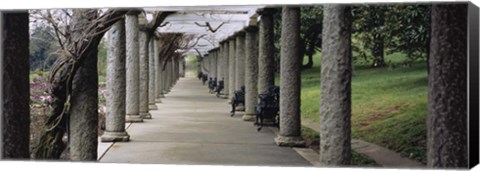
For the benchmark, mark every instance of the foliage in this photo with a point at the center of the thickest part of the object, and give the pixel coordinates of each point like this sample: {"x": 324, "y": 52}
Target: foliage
{"x": 41, "y": 47}
{"x": 409, "y": 30}
{"x": 311, "y": 25}
{"x": 399, "y": 27}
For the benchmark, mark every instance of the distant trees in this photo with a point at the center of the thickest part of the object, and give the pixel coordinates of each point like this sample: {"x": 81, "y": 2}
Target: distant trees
{"x": 391, "y": 28}
{"x": 42, "y": 47}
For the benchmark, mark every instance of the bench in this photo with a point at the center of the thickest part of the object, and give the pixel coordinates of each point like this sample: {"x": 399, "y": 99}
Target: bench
{"x": 204, "y": 78}
{"x": 237, "y": 99}
{"x": 268, "y": 107}
{"x": 219, "y": 87}
{"x": 212, "y": 84}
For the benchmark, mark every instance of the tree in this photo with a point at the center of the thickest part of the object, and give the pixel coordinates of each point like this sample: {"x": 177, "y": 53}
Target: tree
{"x": 76, "y": 47}
{"x": 42, "y": 47}
{"x": 408, "y": 30}
{"x": 310, "y": 33}
{"x": 369, "y": 23}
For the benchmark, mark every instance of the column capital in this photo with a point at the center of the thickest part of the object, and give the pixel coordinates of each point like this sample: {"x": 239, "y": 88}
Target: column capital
{"x": 134, "y": 11}
{"x": 251, "y": 29}
{"x": 239, "y": 34}
{"x": 266, "y": 11}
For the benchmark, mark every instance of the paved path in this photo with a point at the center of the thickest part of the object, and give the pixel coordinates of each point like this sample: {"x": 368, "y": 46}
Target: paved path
{"x": 381, "y": 155}
{"x": 194, "y": 127}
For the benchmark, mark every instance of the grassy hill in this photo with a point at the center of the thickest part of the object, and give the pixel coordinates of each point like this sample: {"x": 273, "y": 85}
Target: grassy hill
{"x": 389, "y": 105}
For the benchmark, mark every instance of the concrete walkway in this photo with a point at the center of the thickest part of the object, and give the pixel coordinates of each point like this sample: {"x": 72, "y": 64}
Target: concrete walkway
{"x": 194, "y": 127}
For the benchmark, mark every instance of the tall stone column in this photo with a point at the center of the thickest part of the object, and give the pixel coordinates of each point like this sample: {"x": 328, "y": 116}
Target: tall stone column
{"x": 15, "y": 92}
{"x": 251, "y": 72}
{"x": 133, "y": 75}
{"x": 335, "y": 100}
{"x": 240, "y": 60}
{"x": 225, "y": 67}
{"x": 158, "y": 72}
{"x": 290, "y": 64}
{"x": 116, "y": 85}
{"x": 152, "y": 94}
{"x": 231, "y": 67}
{"x": 215, "y": 64}
{"x": 266, "y": 60}
{"x": 219, "y": 63}
{"x": 448, "y": 95}
{"x": 143, "y": 84}
{"x": 168, "y": 79}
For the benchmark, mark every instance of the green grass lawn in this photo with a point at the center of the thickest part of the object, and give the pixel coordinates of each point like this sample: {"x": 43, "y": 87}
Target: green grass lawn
{"x": 389, "y": 105}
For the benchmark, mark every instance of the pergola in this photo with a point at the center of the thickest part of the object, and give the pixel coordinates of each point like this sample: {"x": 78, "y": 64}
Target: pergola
{"x": 211, "y": 24}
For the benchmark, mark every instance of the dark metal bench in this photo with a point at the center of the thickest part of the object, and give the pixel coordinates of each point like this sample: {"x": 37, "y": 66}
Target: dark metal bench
{"x": 219, "y": 87}
{"x": 200, "y": 75}
{"x": 268, "y": 107}
{"x": 212, "y": 84}
{"x": 237, "y": 99}
{"x": 204, "y": 78}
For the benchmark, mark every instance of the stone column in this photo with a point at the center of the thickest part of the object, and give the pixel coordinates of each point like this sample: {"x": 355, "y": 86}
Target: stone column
{"x": 168, "y": 79}
{"x": 240, "y": 60}
{"x": 220, "y": 59}
{"x": 290, "y": 64}
{"x": 266, "y": 60}
{"x": 132, "y": 100}
{"x": 143, "y": 84}
{"x": 215, "y": 63}
{"x": 15, "y": 92}
{"x": 152, "y": 94}
{"x": 251, "y": 72}
{"x": 448, "y": 140}
{"x": 231, "y": 68}
{"x": 158, "y": 72}
{"x": 335, "y": 100}
{"x": 225, "y": 68}
{"x": 116, "y": 85}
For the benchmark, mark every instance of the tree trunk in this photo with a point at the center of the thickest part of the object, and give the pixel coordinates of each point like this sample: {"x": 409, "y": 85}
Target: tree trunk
{"x": 84, "y": 100}
{"x": 15, "y": 88}
{"x": 335, "y": 99}
{"x": 447, "y": 141}
{"x": 377, "y": 51}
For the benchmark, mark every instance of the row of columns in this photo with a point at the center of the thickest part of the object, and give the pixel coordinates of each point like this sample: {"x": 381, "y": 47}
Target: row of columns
{"x": 137, "y": 77}
{"x": 246, "y": 59}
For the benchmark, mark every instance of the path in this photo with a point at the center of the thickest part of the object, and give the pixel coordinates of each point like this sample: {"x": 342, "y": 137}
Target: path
{"x": 194, "y": 127}
{"x": 381, "y": 155}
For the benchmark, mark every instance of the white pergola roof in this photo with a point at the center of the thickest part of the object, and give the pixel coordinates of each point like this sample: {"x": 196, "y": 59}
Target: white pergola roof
{"x": 228, "y": 20}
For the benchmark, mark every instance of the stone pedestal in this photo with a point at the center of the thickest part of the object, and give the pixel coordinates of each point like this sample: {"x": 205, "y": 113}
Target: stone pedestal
{"x": 116, "y": 85}
{"x": 290, "y": 132}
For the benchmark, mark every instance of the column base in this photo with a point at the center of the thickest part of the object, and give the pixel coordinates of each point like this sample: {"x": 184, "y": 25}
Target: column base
{"x": 146, "y": 115}
{"x": 133, "y": 118}
{"x": 162, "y": 96}
{"x": 289, "y": 141}
{"x": 115, "y": 136}
{"x": 249, "y": 117}
{"x": 157, "y": 100}
{"x": 152, "y": 107}
{"x": 240, "y": 108}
